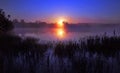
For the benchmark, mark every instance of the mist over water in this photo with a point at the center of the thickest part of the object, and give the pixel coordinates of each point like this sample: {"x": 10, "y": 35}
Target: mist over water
{"x": 72, "y": 33}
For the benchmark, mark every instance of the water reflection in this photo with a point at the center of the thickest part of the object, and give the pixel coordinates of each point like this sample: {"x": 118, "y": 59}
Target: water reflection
{"x": 60, "y": 33}
{"x": 60, "y": 30}
{"x": 65, "y": 33}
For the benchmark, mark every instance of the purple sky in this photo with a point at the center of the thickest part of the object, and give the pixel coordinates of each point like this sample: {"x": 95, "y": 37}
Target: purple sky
{"x": 95, "y": 11}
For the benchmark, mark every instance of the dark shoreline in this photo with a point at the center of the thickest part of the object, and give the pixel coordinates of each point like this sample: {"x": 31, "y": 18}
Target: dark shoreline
{"x": 96, "y": 55}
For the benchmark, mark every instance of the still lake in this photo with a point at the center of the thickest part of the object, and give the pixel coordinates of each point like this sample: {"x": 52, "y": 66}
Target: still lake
{"x": 73, "y": 33}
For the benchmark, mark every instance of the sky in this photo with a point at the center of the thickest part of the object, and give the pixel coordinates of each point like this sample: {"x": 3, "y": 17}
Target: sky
{"x": 76, "y": 11}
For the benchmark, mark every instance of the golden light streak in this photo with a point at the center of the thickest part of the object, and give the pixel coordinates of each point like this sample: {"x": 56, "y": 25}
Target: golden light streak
{"x": 60, "y": 33}
{"x": 60, "y": 28}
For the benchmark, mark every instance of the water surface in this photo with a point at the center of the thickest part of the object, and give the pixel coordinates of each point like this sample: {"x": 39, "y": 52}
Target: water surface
{"x": 73, "y": 33}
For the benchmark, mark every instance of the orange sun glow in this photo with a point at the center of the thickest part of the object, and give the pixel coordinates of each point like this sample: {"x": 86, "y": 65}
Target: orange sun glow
{"x": 60, "y": 33}
{"x": 60, "y": 28}
{"x": 60, "y": 22}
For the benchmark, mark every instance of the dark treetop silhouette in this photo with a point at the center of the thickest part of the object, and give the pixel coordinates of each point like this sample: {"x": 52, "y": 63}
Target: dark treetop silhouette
{"x": 5, "y": 23}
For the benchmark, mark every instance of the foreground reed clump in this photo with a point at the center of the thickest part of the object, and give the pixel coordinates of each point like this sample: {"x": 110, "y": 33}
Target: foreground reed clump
{"x": 26, "y": 55}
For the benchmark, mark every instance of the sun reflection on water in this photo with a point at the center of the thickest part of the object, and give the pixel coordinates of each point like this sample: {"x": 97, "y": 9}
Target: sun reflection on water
{"x": 60, "y": 33}
{"x": 60, "y": 29}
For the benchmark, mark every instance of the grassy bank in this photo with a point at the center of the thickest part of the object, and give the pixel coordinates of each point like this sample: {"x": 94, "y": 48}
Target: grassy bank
{"x": 26, "y": 55}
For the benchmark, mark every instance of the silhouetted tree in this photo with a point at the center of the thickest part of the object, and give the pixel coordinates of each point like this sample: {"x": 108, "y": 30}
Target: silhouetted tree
{"x": 5, "y": 23}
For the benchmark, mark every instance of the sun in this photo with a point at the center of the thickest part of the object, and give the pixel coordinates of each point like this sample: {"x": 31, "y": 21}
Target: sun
{"x": 60, "y": 22}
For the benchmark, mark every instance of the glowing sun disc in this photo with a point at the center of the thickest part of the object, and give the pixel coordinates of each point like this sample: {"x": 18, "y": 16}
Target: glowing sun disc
{"x": 60, "y": 22}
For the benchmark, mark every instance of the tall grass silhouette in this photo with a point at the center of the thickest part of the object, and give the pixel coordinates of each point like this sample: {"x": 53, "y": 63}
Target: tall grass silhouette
{"x": 26, "y": 55}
